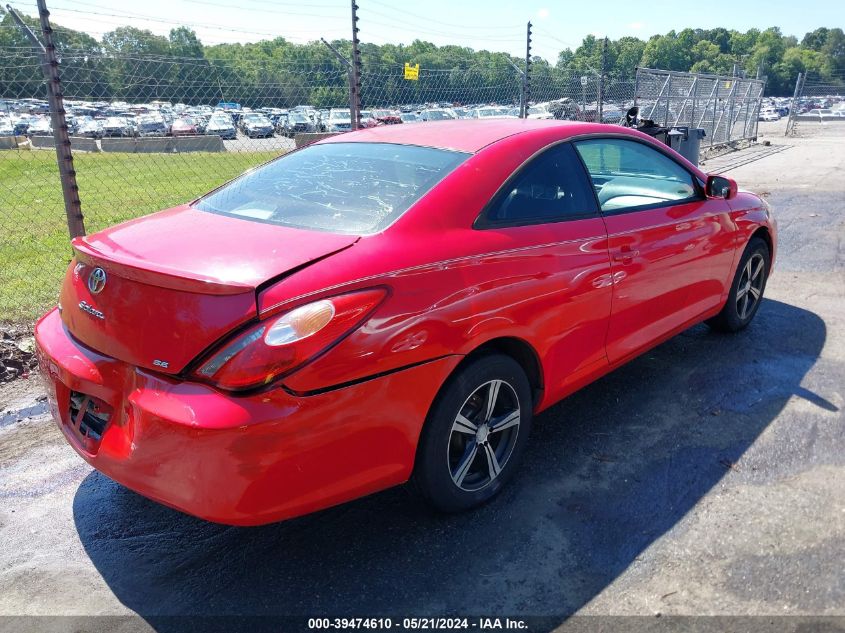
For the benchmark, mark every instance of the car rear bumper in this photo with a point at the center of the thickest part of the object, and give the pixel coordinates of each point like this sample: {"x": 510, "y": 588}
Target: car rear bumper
{"x": 239, "y": 460}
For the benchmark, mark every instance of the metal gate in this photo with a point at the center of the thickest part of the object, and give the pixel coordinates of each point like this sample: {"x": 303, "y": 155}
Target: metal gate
{"x": 725, "y": 107}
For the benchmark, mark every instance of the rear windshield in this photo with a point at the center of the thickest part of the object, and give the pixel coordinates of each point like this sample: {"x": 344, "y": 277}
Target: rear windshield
{"x": 337, "y": 187}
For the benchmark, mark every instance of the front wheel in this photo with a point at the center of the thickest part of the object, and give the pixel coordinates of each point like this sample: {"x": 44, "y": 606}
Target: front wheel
{"x": 747, "y": 289}
{"x": 474, "y": 434}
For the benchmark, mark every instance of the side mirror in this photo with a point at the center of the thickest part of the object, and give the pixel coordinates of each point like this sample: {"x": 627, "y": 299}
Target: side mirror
{"x": 721, "y": 187}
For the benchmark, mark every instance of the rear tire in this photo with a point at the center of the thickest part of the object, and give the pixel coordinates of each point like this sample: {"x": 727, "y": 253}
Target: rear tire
{"x": 474, "y": 434}
{"x": 747, "y": 289}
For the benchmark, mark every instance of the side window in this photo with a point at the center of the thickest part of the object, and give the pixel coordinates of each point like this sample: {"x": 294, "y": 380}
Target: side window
{"x": 627, "y": 174}
{"x": 549, "y": 189}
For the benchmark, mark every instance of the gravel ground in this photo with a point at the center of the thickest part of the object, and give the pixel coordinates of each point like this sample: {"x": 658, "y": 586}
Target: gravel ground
{"x": 704, "y": 478}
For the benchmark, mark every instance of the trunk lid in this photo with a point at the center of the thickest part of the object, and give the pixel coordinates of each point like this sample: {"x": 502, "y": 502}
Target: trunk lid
{"x": 178, "y": 281}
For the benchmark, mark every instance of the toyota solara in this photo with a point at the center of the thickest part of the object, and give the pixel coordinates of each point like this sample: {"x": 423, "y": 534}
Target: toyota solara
{"x": 384, "y": 306}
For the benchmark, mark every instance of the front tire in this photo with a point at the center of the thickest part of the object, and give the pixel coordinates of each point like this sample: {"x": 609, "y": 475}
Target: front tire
{"x": 475, "y": 434}
{"x": 747, "y": 289}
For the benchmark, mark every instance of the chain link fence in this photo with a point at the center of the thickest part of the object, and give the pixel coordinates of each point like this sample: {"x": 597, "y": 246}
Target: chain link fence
{"x": 148, "y": 132}
{"x": 819, "y": 100}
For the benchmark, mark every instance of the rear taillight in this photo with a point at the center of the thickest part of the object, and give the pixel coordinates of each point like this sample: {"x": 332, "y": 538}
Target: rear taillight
{"x": 282, "y": 344}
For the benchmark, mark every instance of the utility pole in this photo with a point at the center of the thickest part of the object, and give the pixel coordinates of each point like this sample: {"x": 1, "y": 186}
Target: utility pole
{"x": 64, "y": 157}
{"x": 355, "y": 95}
{"x": 601, "y": 80}
{"x": 526, "y": 76}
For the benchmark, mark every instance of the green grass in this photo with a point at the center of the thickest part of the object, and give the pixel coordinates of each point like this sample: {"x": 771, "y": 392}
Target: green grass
{"x": 34, "y": 248}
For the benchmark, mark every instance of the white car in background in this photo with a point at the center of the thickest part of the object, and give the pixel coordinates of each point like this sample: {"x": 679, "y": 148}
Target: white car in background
{"x": 540, "y": 111}
{"x": 492, "y": 112}
{"x": 340, "y": 120}
{"x": 769, "y": 115}
{"x": 437, "y": 114}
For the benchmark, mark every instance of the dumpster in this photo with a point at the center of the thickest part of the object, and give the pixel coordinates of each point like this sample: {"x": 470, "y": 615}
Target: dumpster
{"x": 686, "y": 141}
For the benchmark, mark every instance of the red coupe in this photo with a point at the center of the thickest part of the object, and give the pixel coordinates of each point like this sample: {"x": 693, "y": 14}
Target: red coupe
{"x": 387, "y": 305}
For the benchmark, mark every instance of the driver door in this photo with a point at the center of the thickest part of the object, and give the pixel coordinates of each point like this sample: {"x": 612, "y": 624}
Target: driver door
{"x": 671, "y": 248}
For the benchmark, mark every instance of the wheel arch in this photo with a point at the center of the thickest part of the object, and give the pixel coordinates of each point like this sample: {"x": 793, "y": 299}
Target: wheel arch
{"x": 519, "y": 350}
{"x": 763, "y": 233}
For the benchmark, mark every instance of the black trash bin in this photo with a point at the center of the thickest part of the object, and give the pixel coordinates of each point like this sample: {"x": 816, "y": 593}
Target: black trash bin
{"x": 686, "y": 141}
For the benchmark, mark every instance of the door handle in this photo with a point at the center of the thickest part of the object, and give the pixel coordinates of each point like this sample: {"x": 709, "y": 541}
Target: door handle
{"x": 625, "y": 255}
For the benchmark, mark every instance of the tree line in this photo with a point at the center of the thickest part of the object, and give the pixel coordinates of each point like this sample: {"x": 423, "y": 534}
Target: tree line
{"x": 137, "y": 65}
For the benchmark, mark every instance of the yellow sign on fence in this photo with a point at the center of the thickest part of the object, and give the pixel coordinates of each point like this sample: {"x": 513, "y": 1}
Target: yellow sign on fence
{"x": 412, "y": 72}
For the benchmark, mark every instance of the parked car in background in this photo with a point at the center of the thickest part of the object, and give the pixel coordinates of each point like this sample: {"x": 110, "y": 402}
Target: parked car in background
{"x": 540, "y": 111}
{"x": 21, "y": 124}
{"x": 41, "y": 126}
{"x": 152, "y": 126}
{"x": 612, "y": 115}
{"x": 282, "y": 125}
{"x": 820, "y": 112}
{"x": 256, "y": 125}
{"x": 490, "y": 112}
{"x": 324, "y": 119}
{"x": 437, "y": 114}
{"x": 118, "y": 126}
{"x": 316, "y": 119}
{"x": 387, "y": 117}
{"x": 368, "y": 120}
{"x": 92, "y": 128}
{"x": 220, "y": 124}
{"x": 769, "y": 115}
{"x": 201, "y": 122}
{"x": 340, "y": 120}
{"x": 300, "y": 122}
{"x": 387, "y": 305}
{"x": 409, "y": 117}
{"x": 183, "y": 126}
{"x": 6, "y": 127}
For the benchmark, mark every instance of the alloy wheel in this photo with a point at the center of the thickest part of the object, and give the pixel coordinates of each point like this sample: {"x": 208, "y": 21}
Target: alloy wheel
{"x": 750, "y": 288}
{"x": 483, "y": 435}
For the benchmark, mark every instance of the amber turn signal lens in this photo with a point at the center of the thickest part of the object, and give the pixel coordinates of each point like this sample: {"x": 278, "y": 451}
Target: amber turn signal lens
{"x": 300, "y": 323}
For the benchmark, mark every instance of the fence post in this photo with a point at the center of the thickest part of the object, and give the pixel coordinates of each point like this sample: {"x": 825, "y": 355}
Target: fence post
{"x": 526, "y": 76}
{"x": 795, "y": 96}
{"x": 636, "y": 86}
{"x": 601, "y": 80}
{"x": 64, "y": 155}
{"x": 668, "y": 99}
{"x": 355, "y": 93}
{"x": 715, "y": 125}
{"x": 759, "y": 103}
{"x": 732, "y": 98}
{"x": 694, "y": 94}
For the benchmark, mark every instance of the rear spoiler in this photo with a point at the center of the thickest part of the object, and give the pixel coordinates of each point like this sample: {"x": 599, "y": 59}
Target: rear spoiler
{"x": 155, "y": 274}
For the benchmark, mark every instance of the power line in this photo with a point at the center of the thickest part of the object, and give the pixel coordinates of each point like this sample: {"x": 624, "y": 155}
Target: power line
{"x": 124, "y": 15}
{"x": 176, "y": 23}
{"x": 428, "y": 18}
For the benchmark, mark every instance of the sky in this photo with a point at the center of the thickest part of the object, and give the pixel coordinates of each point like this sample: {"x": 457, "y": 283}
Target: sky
{"x": 494, "y": 25}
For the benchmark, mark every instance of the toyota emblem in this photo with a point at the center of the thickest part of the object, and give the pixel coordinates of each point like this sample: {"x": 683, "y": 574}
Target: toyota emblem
{"x": 97, "y": 281}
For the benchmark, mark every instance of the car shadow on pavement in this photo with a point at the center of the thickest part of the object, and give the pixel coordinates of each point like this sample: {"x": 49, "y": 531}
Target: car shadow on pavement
{"x": 608, "y": 471}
